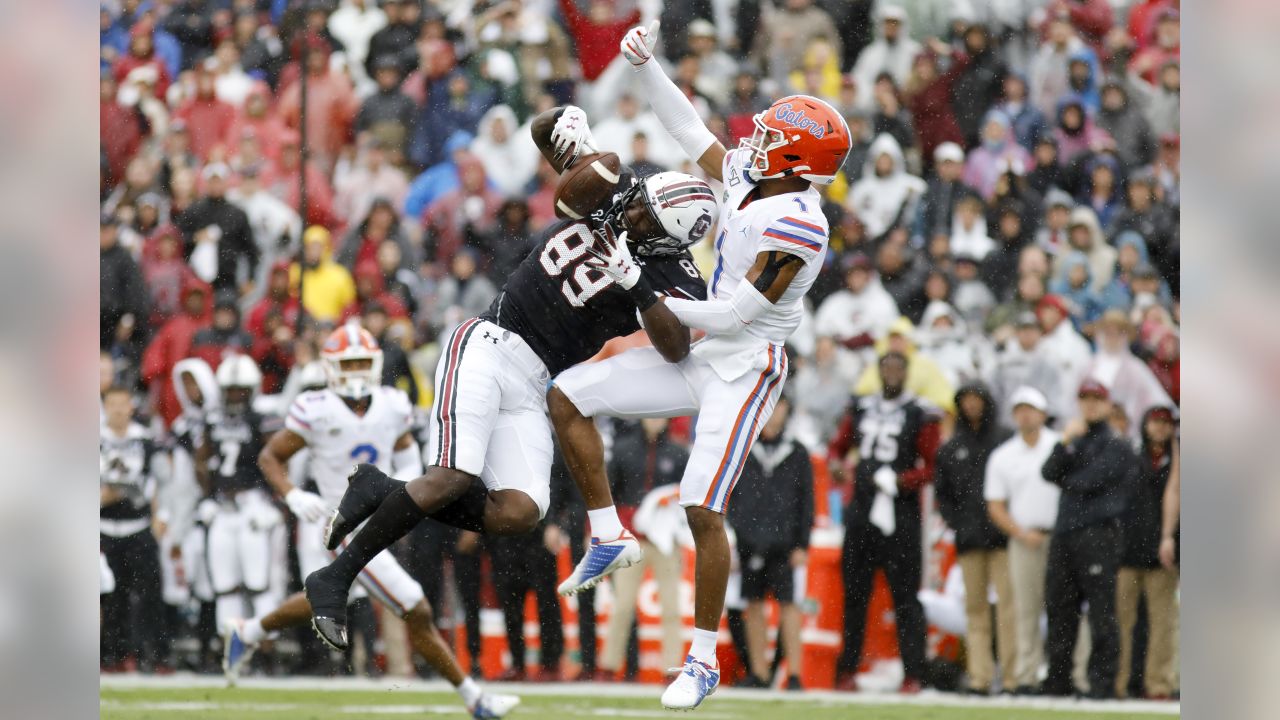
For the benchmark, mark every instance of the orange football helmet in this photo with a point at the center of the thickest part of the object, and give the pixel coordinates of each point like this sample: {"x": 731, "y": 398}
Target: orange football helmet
{"x": 342, "y": 354}
{"x": 798, "y": 135}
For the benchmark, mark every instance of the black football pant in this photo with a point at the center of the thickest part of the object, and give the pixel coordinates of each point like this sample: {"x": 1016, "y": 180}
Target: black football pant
{"x": 1082, "y": 568}
{"x": 900, "y": 555}
{"x": 521, "y": 564}
{"x": 131, "y": 616}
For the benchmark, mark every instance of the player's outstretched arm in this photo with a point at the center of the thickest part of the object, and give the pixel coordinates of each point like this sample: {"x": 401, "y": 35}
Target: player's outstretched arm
{"x": 767, "y": 279}
{"x": 562, "y": 135}
{"x": 670, "y": 105}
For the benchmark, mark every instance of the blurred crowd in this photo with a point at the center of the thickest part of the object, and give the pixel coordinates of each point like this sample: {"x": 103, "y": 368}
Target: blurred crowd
{"x": 1007, "y": 224}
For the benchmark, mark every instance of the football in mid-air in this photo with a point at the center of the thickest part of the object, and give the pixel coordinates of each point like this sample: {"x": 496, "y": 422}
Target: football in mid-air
{"x": 588, "y": 185}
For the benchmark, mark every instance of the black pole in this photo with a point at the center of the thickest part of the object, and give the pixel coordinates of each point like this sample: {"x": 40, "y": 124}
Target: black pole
{"x": 304, "y": 157}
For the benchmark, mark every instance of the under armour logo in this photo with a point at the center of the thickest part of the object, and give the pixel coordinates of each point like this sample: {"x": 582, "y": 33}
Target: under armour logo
{"x": 491, "y": 338}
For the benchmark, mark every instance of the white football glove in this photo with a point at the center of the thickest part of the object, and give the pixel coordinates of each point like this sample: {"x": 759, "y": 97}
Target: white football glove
{"x": 886, "y": 480}
{"x": 612, "y": 257}
{"x": 306, "y": 506}
{"x": 571, "y": 137}
{"x": 637, "y": 44}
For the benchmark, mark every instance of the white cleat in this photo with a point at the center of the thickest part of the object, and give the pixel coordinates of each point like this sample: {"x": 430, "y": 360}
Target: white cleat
{"x": 696, "y": 682}
{"x": 602, "y": 558}
{"x": 236, "y": 653}
{"x": 492, "y": 706}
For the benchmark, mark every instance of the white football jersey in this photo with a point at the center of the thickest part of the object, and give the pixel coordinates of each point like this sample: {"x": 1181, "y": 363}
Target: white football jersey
{"x": 339, "y": 439}
{"x": 791, "y": 223}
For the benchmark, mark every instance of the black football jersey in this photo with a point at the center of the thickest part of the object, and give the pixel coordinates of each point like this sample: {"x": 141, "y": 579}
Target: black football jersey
{"x": 235, "y": 441}
{"x": 566, "y": 310}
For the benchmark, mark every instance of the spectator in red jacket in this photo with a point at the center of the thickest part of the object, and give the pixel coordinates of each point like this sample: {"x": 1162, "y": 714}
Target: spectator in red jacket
{"x": 223, "y": 336}
{"x": 258, "y": 117}
{"x": 142, "y": 51}
{"x": 450, "y": 221}
{"x": 121, "y": 130}
{"x": 596, "y": 33}
{"x": 282, "y": 181}
{"x": 928, "y": 96}
{"x": 331, "y": 104}
{"x": 208, "y": 119}
{"x": 1091, "y": 18}
{"x": 1142, "y": 19}
{"x": 278, "y": 299}
{"x": 371, "y": 290}
{"x": 166, "y": 274}
{"x": 173, "y": 343}
{"x": 273, "y": 350}
{"x": 1165, "y": 46}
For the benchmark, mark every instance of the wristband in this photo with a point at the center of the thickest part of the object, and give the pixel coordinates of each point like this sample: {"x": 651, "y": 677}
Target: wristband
{"x": 642, "y": 294}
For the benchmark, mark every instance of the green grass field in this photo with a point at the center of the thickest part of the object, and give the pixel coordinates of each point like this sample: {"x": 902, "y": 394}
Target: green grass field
{"x": 210, "y": 703}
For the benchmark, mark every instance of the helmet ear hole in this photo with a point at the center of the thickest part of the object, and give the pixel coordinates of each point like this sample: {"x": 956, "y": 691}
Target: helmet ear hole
{"x": 791, "y": 158}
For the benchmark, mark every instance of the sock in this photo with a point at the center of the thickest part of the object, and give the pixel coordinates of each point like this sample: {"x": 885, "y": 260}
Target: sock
{"x": 467, "y": 512}
{"x": 395, "y": 517}
{"x": 253, "y": 632}
{"x": 469, "y": 691}
{"x": 605, "y": 523}
{"x": 704, "y": 646}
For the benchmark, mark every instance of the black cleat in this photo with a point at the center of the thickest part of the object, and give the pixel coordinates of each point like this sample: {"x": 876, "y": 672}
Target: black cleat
{"x": 367, "y": 487}
{"x": 328, "y": 609}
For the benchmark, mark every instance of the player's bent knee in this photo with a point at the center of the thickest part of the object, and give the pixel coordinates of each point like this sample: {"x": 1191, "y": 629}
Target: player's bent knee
{"x": 516, "y": 513}
{"x": 420, "y": 615}
{"x": 703, "y": 519}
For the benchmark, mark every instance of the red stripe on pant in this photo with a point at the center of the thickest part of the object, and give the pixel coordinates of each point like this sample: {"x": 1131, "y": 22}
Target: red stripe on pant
{"x": 448, "y": 387}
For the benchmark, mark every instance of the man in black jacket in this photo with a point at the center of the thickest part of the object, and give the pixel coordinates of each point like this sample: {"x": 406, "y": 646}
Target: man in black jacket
{"x": 980, "y": 546}
{"x": 771, "y": 515}
{"x": 1141, "y": 573}
{"x": 122, "y": 295}
{"x": 1096, "y": 470}
{"x": 213, "y": 224}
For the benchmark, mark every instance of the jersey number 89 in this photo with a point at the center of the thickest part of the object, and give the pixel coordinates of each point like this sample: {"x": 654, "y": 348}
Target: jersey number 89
{"x": 566, "y": 251}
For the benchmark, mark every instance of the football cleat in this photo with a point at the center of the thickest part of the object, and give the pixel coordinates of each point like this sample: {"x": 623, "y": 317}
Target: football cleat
{"x": 367, "y": 487}
{"x": 696, "y": 681}
{"x": 236, "y": 653}
{"x": 328, "y": 608}
{"x": 601, "y": 559}
{"x": 491, "y": 706}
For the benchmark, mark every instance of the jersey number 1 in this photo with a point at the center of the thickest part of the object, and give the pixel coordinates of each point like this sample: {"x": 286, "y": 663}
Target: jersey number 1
{"x": 561, "y": 254}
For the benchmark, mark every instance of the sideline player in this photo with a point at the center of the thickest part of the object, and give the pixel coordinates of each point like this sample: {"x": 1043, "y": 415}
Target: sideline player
{"x": 354, "y": 420}
{"x": 771, "y": 243}
{"x": 245, "y": 543}
{"x": 489, "y": 417}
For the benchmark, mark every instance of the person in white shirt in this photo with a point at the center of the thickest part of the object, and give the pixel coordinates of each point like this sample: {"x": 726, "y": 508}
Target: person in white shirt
{"x": 1025, "y": 506}
{"x": 862, "y": 312}
{"x": 887, "y": 194}
{"x": 893, "y": 52}
{"x": 353, "y": 24}
{"x": 1066, "y": 349}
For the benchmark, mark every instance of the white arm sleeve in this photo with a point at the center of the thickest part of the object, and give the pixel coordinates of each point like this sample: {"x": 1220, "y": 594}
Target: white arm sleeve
{"x": 721, "y": 316}
{"x": 674, "y": 111}
{"x": 406, "y": 464}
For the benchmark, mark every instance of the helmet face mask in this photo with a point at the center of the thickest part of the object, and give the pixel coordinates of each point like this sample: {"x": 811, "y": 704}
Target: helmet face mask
{"x": 239, "y": 379}
{"x": 680, "y": 206}
{"x": 352, "y": 362}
